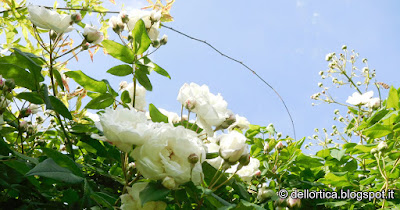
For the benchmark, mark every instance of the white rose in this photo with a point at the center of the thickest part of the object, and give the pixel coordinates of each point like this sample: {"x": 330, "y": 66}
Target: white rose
{"x": 357, "y": 99}
{"x": 140, "y": 96}
{"x": 241, "y": 123}
{"x": 92, "y": 34}
{"x": 167, "y": 154}
{"x": 125, "y": 128}
{"x": 131, "y": 200}
{"x": 247, "y": 172}
{"x": 211, "y": 109}
{"x": 232, "y": 146}
{"x": 48, "y": 19}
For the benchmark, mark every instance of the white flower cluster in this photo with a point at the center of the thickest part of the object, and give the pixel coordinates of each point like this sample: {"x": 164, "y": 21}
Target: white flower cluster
{"x": 61, "y": 23}
{"x": 151, "y": 21}
{"x": 358, "y": 99}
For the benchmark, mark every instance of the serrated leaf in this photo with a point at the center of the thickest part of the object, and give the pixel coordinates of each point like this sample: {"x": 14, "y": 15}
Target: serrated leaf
{"x": 119, "y": 51}
{"x": 48, "y": 168}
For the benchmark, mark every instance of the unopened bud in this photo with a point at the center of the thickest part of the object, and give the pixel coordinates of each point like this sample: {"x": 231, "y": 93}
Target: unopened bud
{"x": 85, "y": 46}
{"x": 257, "y": 173}
{"x": 244, "y": 160}
{"x": 193, "y": 158}
{"x": 279, "y": 146}
{"x": 169, "y": 183}
{"x": 190, "y": 104}
{"x": 382, "y": 146}
{"x": 155, "y": 16}
{"x": 155, "y": 43}
{"x": 344, "y": 47}
{"x": 293, "y": 202}
{"x": 124, "y": 17}
{"x": 23, "y": 125}
{"x": 10, "y": 84}
{"x": 76, "y": 18}
{"x": 164, "y": 39}
{"x": 25, "y": 113}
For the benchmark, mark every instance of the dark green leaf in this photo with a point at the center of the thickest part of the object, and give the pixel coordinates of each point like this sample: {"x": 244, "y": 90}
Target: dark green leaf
{"x": 60, "y": 107}
{"x": 121, "y": 70}
{"x": 156, "y": 115}
{"x": 119, "y": 51}
{"x": 20, "y": 76}
{"x": 153, "y": 192}
{"x": 103, "y": 199}
{"x": 48, "y": 168}
{"x": 141, "y": 75}
{"x": 62, "y": 160}
{"x": 32, "y": 97}
{"x": 57, "y": 75}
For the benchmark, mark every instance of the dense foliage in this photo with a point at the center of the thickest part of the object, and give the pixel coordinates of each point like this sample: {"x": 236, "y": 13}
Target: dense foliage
{"x": 54, "y": 153}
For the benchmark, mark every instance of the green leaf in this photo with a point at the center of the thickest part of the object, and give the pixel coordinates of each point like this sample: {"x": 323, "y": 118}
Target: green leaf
{"x": 32, "y": 65}
{"x": 48, "y": 168}
{"x": 368, "y": 180}
{"x": 141, "y": 75}
{"x": 20, "y": 76}
{"x": 87, "y": 82}
{"x": 121, "y": 70}
{"x": 156, "y": 115}
{"x": 393, "y": 99}
{"x": 153, "y": 192}
{"x": 22, "y": 168}
{"x": 307, "y": 161}
{"x": 58, "y": 77}
{"x": 142, "y": 40}
{"x": 119, "y": 51}
{"x": 156, "y": 67}
{"x": 337, "y": 154}
{"x": 103, "y": 199}
{"x": 212, "y": 155}
{"x": 45, "y": 93}
{"x": 101, "y": 102}
{"x": 377, "y": 131}
{"x": 60, "y": 107}
{"x": 62, "y": 160}
{"x": 32, "y": 97}
{"x": 125, "y": 97}
{"x": 245, "y": 205}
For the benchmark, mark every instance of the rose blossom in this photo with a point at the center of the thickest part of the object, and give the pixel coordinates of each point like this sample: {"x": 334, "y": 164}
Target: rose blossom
{"x": 125, "y": 128}
{"x": 167, "y": 154}
{"x": 92, "y": 34}
{"x": 211, "y": 109}
{"x": 232, "y": 146}
{"x": 48, "y": 19}
{"x": 247, "y": 172}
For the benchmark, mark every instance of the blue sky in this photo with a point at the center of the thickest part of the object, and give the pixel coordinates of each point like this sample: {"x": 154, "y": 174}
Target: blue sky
{"x": 285, "y": 42}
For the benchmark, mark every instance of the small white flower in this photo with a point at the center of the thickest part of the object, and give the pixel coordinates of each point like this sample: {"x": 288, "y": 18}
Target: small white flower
{"x": 48, "y": 19}
{"x": 155, "y": 15}
{"x": 357, "y": 99}
{"x": 92, "y": 34}
{"x": 374, "y": 103}
{"x": 382, "y": 146}
{"x": 116, "y": 24}
{"x": 34, "y": 108}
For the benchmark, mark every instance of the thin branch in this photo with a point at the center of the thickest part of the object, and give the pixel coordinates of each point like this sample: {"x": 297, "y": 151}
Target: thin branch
{"x": 244, "y": 65}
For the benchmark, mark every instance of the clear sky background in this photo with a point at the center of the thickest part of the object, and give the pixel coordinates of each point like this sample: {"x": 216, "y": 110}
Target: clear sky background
{"x": 285, "y": 42}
